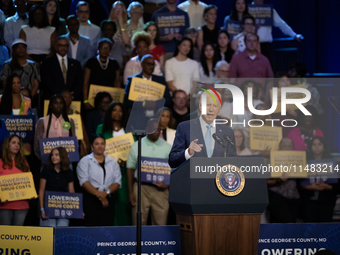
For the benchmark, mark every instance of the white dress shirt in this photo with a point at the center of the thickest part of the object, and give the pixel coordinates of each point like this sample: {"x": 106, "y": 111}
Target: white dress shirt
{"x": 60, "y": 59}
{"x": 195, "y": 12}
{"x": 74, "y": 48}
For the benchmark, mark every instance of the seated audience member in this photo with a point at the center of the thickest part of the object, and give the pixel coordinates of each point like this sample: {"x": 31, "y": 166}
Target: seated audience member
{"x": 208, "y": 61}
{"x": 124, "y": 33}
{"x": 96, "y": 117}
{"x": 180, "y": 111}
{"x": 4, "y": 56}
{"x": 223, "y": 48}
{"x": 222, "y": 69}
{"x": 155, "y": 49}
{"x": 283, "y": 194}
{"x": 240, "y": 143}
{"x": 298, "y": 71}
{"x": 38, "y": 35}
{"x": 154, "y": 195}
{"x": 12, "y": 102}
{"x": 118, "y": 51}
{"x": 101, "y": 70}
{"x": 250, "y": 63}
{"x": 209, "y": 32}
{"x": 56, "y": 176}
{"x": 166, "y": 120}
{"x": 60, "y": 72}
{"x": 248, "y": 26}
{"x": 20, "y": 65}
{"x": 86, "y": 28}
{"x": 319, "y": 197}
{"x": 13, "y": 162}
{"x": 79, "y": 46}
{"x": 173, "y": 31}
{"x": 240, "y": 9}
{"x": 99, "y": 189}
{"x": 306, "y": 130}
{"x": 142, "y": 40}
{"x": 180, "y": 69}
{"x": 191, "y": 33}
{"x": 135, "y": 12}
{"x": 53, "y": 15}
{"x": 148, "y": 66}
{"x": 195, "y": 11}
{"x": 14, "y": 23}
{"x": 114, "y": 124}
{"x": 55, "y": 124}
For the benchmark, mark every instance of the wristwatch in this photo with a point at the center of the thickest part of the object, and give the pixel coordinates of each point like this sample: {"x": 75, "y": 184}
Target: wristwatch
{"x": 108, "y": 192}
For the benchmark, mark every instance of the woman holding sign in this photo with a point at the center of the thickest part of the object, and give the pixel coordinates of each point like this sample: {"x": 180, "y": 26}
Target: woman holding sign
{"x": 99, "y": 176}
{"x": 57, "y": 176}
{"x": 13, "y": 162}
{"x": 114, "y": 123}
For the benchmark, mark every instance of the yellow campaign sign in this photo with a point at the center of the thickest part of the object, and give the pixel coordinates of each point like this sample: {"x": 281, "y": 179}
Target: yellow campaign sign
{"x": 145, "y": 90}
{"x": 75, "y": 106}
{"x": 79, "y": 128}
{"x": 119, "y": 147}
{"x": 26, "y": 240}
{"x": 289, "y": 96}
{"x": 117, "y": 94}
{"x": 263, "y": 137}
{"x": 292, "y": 163}
{"x": 17, "y": 187}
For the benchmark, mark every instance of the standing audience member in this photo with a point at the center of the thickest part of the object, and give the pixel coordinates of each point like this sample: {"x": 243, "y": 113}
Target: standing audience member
{"x": 195, "y": 9}
{"x": 223, "y": 48}
{"x": 14, "y": 23}
{"x": 79, "y": 46}
{"x": 240, "y": 9}
{"x": 180, "y": 69}
{"x": 53, "y": 15}
{"x": 101, "y": 70}
{"x": 154, "y": 195}
{"x": 86, "y": 28}
{"x": 135, "y": 13}
{"x": 56, "y": 176}
{"x": 208, "y": 32}
{"x": 7, "y": 6}
{"x": 208, "y": 61}
{"x": 142, "y": 40}
{"x": 240, "y": 143}
{"x": 192, "y": 33}
{"x": 60, "y": 72}
{"x": 99, "y": 10}
{"x": 166, "y": 120}
{"x": 222, "y": 69}
{"x": 180, "y": 111}
{"x": 170, "y": 35}
{"x": 250, "y": 63}
{"x": 13, "y": 162}
{"x": 99, "y": 176}
{"x": 155, "y": 49}
{"x": 38, "y": 35}
{"x": 23, "y": 67}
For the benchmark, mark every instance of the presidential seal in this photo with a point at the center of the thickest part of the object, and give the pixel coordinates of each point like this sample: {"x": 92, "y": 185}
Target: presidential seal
{"x": 230, "y": 180}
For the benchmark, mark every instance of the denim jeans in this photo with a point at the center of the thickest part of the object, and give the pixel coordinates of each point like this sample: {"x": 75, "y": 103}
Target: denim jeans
{"x": 54, "y": 222}
{"x": 12, "y": 217}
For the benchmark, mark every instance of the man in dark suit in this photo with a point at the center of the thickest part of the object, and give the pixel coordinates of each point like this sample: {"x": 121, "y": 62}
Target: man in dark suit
{"x": 60, "y": 72}
{"x": 148, "y": 66}
{"x": 195, "y": 137}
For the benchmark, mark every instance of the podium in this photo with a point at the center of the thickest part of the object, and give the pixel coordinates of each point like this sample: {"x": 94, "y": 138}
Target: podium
{"x": 210, "y": 221}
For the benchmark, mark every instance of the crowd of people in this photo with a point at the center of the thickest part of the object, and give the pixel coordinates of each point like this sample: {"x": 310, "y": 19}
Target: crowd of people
{"x": 46, "y": 57}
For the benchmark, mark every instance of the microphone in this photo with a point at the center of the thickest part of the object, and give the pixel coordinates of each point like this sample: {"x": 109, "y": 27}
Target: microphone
{"x": 218, "y": 139}
{"x": 227, "y": 138}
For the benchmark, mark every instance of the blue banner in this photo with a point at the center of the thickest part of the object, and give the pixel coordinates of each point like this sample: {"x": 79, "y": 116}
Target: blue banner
{"x": 63, "y": 205}
{"x": 263, "y": 14}
{"x": 117, "y": 240}
{"x": 303, "y": 239}
{"x": 155, "y": 169}
{"x": 20, "y": 125}
{"x": 69, "y": 143}
{"x": 233, "y": 28}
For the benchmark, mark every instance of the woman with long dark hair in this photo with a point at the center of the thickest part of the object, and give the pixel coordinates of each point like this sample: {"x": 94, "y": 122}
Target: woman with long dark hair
{"x": 53, "y": 15}
{"x": 115, "y": 120}
{"x": 56, "y": 176}
{"x": 38, "y": 35}
{"x": 55, "y": 124}
{"x": 208, "y": 32}
{"x": 240, "y": 8}
{"x": 223, "y": 49}
{"x": 155, "y": 49}
{"x": 208, "y": 61}
{"x": 181, "y": 68}
{"x": 13, "y": 162}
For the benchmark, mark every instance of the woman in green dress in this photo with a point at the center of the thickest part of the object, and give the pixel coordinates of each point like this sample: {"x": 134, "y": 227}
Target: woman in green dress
{"x": 115, "y": 119}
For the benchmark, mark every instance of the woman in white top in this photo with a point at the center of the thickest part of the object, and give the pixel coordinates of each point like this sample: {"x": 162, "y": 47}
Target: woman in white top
{"x": 240, "y": 143}
{"x": 38, "y": 35}
{"x": 180, "y": 69}
{"x": 208, "y": 61}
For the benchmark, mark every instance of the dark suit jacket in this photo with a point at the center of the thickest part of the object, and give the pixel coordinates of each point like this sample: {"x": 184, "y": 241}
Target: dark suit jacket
{"x": 52, "y": 79}
{"x": 155, "y": 78}
{"x": 183, "y": 139}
